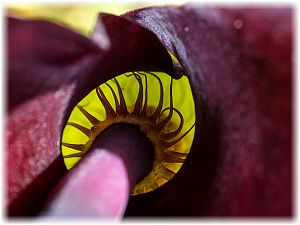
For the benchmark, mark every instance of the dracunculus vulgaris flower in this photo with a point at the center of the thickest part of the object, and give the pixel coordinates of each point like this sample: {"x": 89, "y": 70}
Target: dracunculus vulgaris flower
{"x": 239, "y": 62}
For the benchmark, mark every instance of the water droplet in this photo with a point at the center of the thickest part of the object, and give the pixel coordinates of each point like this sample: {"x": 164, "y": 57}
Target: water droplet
{"x": 186, "y": 29}
{"x": 238, "y": 24}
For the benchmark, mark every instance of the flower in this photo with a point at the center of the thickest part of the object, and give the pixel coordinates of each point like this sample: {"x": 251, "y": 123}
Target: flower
{"x": 45, "y": 64}
{"x": 239, "y": 61}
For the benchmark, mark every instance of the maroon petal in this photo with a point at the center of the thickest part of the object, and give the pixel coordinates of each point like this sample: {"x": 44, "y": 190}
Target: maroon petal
{"x": 49, "y": 69}
{"x": 44, "y": 61}
{"x": 240, "y": 66}
{"x": 132, "y": 47}
{"x": 42, "y": 57}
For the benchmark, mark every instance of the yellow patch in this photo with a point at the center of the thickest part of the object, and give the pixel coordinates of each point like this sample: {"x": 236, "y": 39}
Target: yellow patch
{"x": 170, "y": 152}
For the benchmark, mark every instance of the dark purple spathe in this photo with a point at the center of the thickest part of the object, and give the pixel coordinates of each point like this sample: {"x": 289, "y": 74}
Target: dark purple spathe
{"x": 239, "y": 62}
{"x": 50, "y": 68}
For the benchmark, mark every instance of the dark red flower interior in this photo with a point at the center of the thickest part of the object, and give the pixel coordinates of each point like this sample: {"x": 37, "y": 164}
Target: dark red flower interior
{"x": 239, "y": 62}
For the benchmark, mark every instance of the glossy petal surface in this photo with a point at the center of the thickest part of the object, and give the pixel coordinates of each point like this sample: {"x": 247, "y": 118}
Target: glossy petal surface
{"x": 240, "y": 66}
{"x": 48, "y": 68}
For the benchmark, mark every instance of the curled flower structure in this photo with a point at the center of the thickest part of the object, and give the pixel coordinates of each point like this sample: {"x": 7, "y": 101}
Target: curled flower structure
{"x": 127, "y": 98}
{"x": 62, "y": 78}
{"x": 239, "y": 63}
